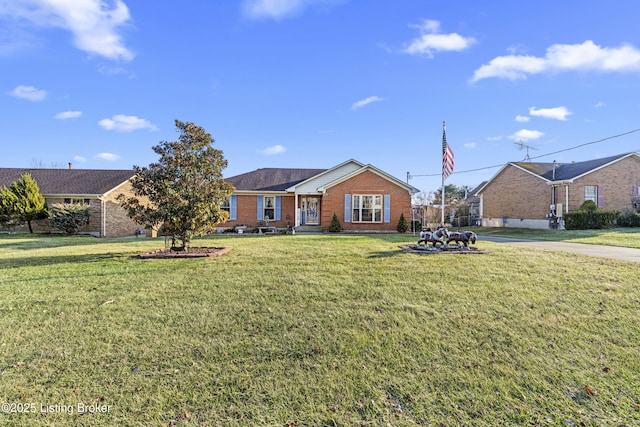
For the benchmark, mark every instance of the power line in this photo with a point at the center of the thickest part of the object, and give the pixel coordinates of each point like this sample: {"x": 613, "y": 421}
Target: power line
{"x": 537, "y": 157}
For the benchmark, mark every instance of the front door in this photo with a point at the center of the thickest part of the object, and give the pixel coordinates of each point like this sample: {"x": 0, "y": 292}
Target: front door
{"x": 311, "y": 210}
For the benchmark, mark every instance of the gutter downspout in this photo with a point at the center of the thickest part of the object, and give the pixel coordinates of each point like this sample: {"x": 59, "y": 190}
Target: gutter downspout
{"x": 103, "y": 215}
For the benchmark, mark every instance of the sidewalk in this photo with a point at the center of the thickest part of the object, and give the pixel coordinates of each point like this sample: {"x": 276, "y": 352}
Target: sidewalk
{"x": 614, "y": 252}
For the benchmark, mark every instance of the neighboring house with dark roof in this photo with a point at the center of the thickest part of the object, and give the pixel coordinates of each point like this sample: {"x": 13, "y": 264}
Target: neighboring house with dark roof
{"x": 362, "y": 196}
{"x": 97, "y": 189}
{"x": 536, "y": 195}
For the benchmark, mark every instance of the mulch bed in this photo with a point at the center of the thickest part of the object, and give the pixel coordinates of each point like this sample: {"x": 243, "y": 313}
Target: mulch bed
{"x": 197, "y": 252}
{"x": 472, "y": 250}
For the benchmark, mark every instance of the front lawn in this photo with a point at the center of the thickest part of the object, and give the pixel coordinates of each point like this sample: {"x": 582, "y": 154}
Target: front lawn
{"x": 343, "y": 330}
{"x": 626, "y": 237}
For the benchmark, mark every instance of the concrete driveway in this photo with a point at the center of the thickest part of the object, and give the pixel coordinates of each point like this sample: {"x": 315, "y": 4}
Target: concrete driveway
{"x": 614, "y": 252}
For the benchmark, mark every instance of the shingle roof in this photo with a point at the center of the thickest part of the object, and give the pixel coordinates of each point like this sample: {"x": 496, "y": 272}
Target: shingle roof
{"x": 69, "y": 181}
{"x": 566, "y": 171}
{"x": 272, "y": 179}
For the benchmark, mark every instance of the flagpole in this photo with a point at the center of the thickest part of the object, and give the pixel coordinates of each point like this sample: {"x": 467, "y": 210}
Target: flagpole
{"x": 442, "y": 222}
{"x": 444, "y": 131}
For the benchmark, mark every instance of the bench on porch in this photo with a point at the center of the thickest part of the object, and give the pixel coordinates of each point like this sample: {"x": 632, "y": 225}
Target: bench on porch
{"x": 264, "y": 228}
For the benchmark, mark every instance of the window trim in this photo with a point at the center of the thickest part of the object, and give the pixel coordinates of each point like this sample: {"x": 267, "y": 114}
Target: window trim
{"x": 377, "y": 210}
{"x": 71, "y": 200}
{"x": 594, "y": 193}
{"x": 266, "y": 217}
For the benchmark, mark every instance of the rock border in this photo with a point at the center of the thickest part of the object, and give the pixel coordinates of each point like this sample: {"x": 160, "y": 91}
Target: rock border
{"x": 199, "y": 252}
{"x": 471, "y": 251}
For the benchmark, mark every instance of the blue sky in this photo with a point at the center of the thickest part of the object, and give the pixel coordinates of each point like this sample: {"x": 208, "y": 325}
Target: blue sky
{"x": 312, "y": 83}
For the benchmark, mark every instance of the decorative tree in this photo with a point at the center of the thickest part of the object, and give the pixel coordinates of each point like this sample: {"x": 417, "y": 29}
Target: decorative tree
{"x": 335, "y": 226}
{"x": 184, "y": 190}
{"x": 22, "y": 202}
{"x": 403, "y": 225}
{"x": 69, "y": 217}
{"x": 7, "y": 200}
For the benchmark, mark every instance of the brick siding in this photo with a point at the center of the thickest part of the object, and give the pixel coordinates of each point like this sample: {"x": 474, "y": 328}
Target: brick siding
{"x": 366, "y": 182}
{"x": 516, "y": 194}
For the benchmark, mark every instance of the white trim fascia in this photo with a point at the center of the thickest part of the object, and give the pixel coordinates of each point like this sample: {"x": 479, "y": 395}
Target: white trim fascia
{"x": 605, "y": 165}
{"x": 382, "y": 174}
{"x": 261, "y": 193}
{"x": 118, "y": 186}
{"x": 502, "y": 169}
{"x": 71, "y": 196}
{"x": 529, "y": 172}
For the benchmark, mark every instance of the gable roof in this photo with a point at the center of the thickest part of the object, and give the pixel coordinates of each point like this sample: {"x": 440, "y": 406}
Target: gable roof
{"x": 69, "y": 181}
{"x": 271, "y": 179}
{"x": 375, "y": 170}
{"x": 568, "y": 171}
{"x": 563, "y": 172}
{"x": 282, "y": 179}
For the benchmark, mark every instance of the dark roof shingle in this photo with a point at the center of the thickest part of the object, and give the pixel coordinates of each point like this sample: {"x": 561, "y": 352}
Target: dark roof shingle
{"x": 69, "y": 181}
{"x": 272, "y": 179}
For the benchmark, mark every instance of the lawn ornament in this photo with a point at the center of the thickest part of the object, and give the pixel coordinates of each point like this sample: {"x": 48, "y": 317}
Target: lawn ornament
{"x": 462, "y": 236}
{"x": 434, "y": 237}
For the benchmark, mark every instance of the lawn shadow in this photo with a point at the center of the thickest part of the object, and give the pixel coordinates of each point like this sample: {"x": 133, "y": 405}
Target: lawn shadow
{"x": 40, "y": 261}
{"x": 385, "y": 254}
{"x": 25, "y": 242}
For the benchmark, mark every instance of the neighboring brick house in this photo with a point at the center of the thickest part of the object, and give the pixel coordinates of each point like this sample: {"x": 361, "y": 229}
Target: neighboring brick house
{"x": 96, "y": 188}
{"x": 363, "y": 197}
{"x": 535, "y": 195}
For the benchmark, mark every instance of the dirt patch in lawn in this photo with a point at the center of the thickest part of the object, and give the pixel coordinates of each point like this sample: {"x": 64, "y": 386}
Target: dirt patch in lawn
{"x": 194, "y": 252}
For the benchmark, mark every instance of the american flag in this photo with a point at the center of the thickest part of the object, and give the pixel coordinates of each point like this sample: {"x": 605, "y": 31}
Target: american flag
{"x": 447, "y": 154}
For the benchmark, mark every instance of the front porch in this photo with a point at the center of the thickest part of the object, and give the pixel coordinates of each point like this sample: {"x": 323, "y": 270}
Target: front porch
{"x": 308, "y": 210}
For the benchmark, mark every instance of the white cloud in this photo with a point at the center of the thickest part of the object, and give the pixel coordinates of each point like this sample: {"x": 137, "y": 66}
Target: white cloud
{"x": 599, "y": 104}
{"x": 557, "y": 113}
{"x": 470, "y": 145}
{"x": 65, "y": 115}
{"x": 524, "y": 135}
{"x": 494, "y": 138}
{"x": 79, "y": 159}
{"x": 359, "y": 104}
{"x": 522, "y": 119}
{"x": 270, "y": 151}
{"x": 277, "y": 9}
{"x": 122, "y": 123}
{"x": 110, "y": 157}
{"x": 29, "y": 93}
{"x": 93, "y": 23}
{"x": 587, "y": 56}
{"x": 431, "y": 40}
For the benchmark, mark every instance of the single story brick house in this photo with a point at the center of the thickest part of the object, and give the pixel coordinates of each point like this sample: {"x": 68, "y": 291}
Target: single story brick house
{"x": 93, "y": 187}
{"x": 536, "y": 195}
{"x": 364, "y": 198}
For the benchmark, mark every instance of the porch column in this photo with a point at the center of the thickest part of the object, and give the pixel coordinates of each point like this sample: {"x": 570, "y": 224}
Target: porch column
{"x": 297, "y": 211}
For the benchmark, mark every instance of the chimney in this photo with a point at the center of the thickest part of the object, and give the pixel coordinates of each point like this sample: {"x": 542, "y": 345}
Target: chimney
{"x": 70, "y": 165}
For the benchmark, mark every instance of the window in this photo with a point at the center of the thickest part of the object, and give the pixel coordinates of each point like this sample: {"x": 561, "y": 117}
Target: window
{"x": 77, "y": 201}
{"x": 269, "y": 207}
{"x": 226, "y": 206}
{"x": 366, "y": 208}
{"x": 591, "y": 193}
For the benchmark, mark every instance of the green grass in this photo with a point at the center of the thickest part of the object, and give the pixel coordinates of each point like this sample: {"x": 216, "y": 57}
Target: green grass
{"x": 626, "y": 237}
{"x": 316, "y": 330}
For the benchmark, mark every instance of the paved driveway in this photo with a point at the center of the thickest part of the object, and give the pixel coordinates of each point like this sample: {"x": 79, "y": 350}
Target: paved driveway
{"x": 615, "y": 252}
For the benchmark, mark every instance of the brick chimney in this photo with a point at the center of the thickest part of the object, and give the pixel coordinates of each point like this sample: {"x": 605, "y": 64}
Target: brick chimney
{"x": 70, "y": 165}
